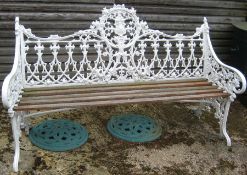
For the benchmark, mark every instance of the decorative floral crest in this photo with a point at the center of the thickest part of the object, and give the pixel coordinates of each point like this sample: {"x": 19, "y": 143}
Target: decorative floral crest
{"x": 119, "y": 25}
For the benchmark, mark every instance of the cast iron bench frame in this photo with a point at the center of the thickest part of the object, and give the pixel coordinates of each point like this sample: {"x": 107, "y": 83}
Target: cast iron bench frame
{"x": 127, "y": 76}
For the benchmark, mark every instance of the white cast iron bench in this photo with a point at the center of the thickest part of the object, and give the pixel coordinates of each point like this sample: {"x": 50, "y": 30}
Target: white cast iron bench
{"x": 118, "y": 60}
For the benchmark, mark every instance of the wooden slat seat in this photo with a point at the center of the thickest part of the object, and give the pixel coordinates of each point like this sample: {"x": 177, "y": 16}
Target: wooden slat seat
{"x": 109, "y": 94}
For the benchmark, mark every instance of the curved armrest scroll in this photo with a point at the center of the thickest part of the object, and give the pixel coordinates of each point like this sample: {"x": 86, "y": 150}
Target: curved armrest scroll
{"x": 13, "y": 83}
{"x": 226, "y": 77}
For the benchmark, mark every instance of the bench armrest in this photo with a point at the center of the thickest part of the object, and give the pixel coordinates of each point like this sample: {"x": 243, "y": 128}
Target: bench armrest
{"x": 13, "y": 83}
{"x": 226, "y": 77}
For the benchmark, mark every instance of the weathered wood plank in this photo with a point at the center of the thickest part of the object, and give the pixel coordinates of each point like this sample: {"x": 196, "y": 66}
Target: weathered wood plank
{"x": 96, "y": 8}
{"x": 81, "y": 95}
{"x": 114, "y": 102}
{"x": 187, "y": 3}
{"x": 2, "y": 76}
{"x": 188, "y": 11}
{"x": 49, "y": 16}
{"x": 65, "y": 1}
{"x": 1, "y": 83}
{"x": 113, "y": 88}
{"x": 51, "y": 7}
{"x": 5, "y": 68}
{"x": 39, "y": 16}
{"x": 103, "y": 96}
{"x": 7, "y": 42}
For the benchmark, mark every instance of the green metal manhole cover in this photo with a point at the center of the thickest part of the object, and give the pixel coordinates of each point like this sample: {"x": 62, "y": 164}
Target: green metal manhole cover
{"x": 58, "y": 135}
{"x": 134, "y": 128}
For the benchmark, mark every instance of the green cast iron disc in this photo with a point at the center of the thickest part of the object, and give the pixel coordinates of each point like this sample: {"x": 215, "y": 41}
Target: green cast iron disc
{"x": 134, "y": 128}
{"x": 58, "y": 135}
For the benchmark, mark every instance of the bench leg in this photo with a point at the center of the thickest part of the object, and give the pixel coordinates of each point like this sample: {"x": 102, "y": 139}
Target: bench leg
{"x": 25, "y": 122}
{"x": 16, "y": 130}
{"x": 222, "y": 110}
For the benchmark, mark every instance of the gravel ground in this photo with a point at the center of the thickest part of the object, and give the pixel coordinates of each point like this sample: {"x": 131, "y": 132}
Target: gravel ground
{"x": 188, "y": 145}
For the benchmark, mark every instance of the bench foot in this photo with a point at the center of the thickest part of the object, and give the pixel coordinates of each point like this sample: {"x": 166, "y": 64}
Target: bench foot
{"x": 16, "y": 121}
{"x": 222, "y": 110}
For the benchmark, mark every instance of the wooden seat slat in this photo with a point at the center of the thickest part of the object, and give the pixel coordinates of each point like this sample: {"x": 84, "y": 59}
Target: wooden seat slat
{"x": 103, "y": 96}
{"x": 83, "y": 94}
{"x": 117, "y": 88}
{"x": 122, "y": 101}
{"x": 114, "y": 84}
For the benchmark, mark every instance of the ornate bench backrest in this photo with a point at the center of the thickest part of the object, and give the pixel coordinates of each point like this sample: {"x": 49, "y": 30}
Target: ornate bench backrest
{"x": 117, "y": 48}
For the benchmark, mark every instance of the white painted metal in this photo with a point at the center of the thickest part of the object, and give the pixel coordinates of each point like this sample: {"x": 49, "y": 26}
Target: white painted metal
{"x": 126, "y": 50}
{"x": 16, "y": 130}
{"x": 222, "y": 75}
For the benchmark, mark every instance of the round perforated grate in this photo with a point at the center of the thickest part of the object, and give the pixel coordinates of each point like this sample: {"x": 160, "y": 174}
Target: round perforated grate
{"x": 58, "y": 135}
{"x": 134, "y": 128}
